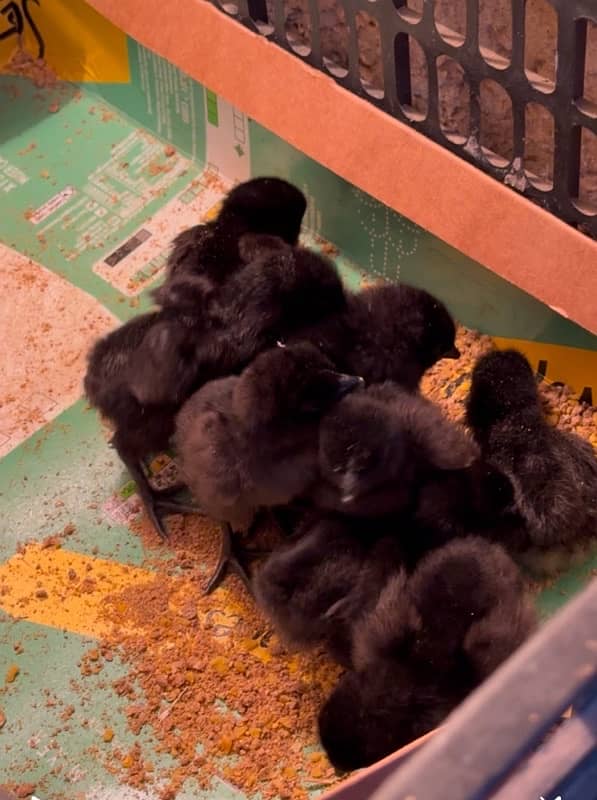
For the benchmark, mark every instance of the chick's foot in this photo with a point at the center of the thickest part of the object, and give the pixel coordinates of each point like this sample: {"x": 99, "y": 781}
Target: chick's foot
{"x": 229, "y": 560}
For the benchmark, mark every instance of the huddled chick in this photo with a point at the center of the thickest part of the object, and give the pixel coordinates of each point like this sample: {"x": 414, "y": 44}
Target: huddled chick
{"x": 278, "y": 289}
{"x": 389, "y": 332}
{"x": 429, "y": 641}
{"x": 453, "y": 503}
{"x": 281, "y": 289}
{"x": 139, "y": 375}
{"x": 251, "y": 441}
{"x": 377, "y": 447}
{"x": 261, "y": 206}
{"x": 133, "y": 381}
{"x": 553, "y": 473}
{"x": 330, "y": 571}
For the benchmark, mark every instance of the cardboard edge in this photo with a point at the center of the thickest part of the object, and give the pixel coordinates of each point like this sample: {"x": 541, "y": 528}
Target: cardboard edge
{"x": 450, "y": 198}
{"x": 365, "y": 782}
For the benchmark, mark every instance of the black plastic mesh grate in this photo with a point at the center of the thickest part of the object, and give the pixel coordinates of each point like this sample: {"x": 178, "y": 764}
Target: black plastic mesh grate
{"x": 413, "y": 30}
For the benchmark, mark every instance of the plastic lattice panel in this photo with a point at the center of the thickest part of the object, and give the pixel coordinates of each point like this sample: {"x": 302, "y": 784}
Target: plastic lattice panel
{"x": 408, "y": 31}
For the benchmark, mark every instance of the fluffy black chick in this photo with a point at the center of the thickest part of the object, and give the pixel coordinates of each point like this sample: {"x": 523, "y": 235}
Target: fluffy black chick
{"x": 261, "y": 205}
{"x": 376, "y": 447}
{"x": 430, "y": 640}
{"x": 282, "y": 290}
{"x": 199, "y": 327}
{"x": 251, "y": 441}
{"x": 315, "y": 586}
{"x": 162, "y": 367}
{"x": 137, "y": 377}
{"x": 553, "y": 472}
{"x": 390, "y": 332}
{"x": 478, "y": 499}
{"x": 159, "y": 356}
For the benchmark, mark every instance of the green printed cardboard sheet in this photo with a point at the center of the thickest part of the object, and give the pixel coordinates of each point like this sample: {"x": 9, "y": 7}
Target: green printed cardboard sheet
{"x": 99, "y": 169}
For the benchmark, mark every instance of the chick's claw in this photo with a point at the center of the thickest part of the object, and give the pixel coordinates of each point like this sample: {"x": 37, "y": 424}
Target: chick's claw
{"x": 156, "y": 509}
{"x": 166, "y": 492}
{"x": 151, "y": 508}
{"x": 166, "y": 506}
{"x": 228, "y": 561}
{"x": 146, "y": 494}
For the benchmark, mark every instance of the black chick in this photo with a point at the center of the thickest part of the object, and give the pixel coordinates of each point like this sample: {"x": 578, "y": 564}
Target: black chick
{"x": 139, "y": 375}
{"x": 162, "y": 367}
{"x": 261, "y": 206}
{"x": 199, "y": 327}
{"x": 391, "y": 332}
{"x": 317, "y": 584}
{"x": 251, "y": 441}
{"x": 376, "y": 448}
{"x": 431, "y": 639}
{"x": 553, "y": 472}
{"x": 121, "y": 383}
{"x": 279, "y": 292}
{"x": 280, "y": 289}
{"x": 453, "y": 503}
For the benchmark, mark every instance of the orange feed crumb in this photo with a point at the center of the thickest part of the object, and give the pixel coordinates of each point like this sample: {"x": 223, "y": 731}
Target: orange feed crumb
{"x": 11, "y": 673}
{"x": 225, "y": 745}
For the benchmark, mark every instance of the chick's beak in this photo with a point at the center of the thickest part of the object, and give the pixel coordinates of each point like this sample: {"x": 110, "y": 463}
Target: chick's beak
{"x": 453, "y": 352}
{"x": 347, "y": 383}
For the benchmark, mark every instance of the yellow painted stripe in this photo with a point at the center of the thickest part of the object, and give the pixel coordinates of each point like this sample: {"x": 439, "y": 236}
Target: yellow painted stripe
{"x": 570, "y": 365}
{"x": 68, "y": 590}
{"x": 63, "y": 589}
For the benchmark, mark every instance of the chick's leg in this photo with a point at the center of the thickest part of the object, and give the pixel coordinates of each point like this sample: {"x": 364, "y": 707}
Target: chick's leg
{"x": 168, "y": 502}
{"x": 146, "y": 493}
{"x": 168, "y": 492}
{"x": 228, "y": 561}
{"x": 156, "y": 502}
{"x": 176, "y": 507}
{"x": 167, "y": 497}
